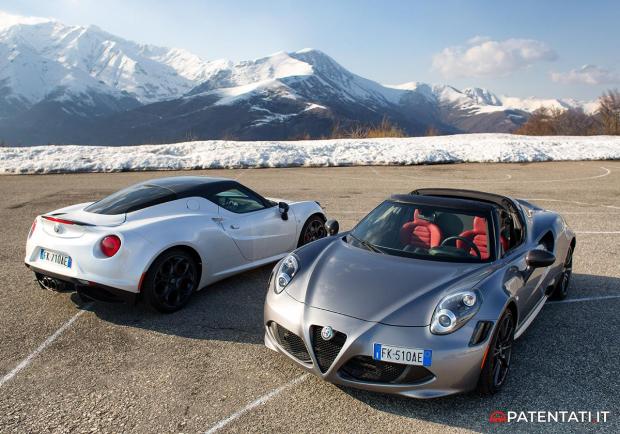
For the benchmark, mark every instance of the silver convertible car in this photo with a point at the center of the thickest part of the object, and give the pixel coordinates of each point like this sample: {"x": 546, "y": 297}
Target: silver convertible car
{"x": 424, "y": 296}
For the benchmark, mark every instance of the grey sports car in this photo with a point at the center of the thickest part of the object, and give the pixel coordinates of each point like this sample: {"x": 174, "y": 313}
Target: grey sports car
{"x": 424, "y": 296}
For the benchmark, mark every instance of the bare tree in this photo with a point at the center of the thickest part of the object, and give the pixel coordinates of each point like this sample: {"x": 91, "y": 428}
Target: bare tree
{"x": 573, "y": 122}
{"x": 609, "y": 113}
{"x": 540, "y": 123}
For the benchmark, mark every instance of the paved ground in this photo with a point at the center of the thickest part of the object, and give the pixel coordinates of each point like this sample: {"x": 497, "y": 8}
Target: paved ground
{"x": 119, "y": 368}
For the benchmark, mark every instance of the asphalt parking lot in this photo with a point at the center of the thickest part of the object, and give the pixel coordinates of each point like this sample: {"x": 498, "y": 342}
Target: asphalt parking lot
{"x": 69, "y": 367}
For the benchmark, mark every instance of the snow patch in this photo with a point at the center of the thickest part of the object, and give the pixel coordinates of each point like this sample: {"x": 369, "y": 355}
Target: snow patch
{"x": 214, "y": 154}
{"x": 9, "y": 20}
{"x": 313, "y": 106}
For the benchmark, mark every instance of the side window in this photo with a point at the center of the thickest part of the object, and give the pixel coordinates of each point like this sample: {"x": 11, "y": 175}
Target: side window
{"x": 237, "y": 200}
{"x": 511, "y": 232}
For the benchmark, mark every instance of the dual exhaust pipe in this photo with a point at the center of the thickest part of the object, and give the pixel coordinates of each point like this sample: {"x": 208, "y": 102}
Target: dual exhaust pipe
{"x": 51, "y": 284}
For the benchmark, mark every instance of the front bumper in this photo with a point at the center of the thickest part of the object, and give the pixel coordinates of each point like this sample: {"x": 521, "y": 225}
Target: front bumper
{"x": 455, "y": 364}
{"x": 96, "y": 291}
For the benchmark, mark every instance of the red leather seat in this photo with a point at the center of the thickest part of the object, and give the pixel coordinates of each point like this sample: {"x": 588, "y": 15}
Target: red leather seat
{"x": 420, "y": 233}
{"x": 478, "y": 235}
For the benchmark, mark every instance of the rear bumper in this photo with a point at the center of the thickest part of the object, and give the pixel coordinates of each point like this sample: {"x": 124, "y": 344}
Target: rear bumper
{"x": 94, "y": 290}
{"x": 122, "y": 271}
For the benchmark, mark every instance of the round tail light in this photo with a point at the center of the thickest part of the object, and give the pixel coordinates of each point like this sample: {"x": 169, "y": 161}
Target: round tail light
{"x": 110, "y": 245}
{"x": 32, "y": 228}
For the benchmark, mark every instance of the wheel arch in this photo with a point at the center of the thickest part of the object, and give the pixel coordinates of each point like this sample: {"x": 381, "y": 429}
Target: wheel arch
{"x": 185, "y": 247}
{"x": 301, "y": 229}
{"x": 512, "y": 307}
{"x": 548, "y": 240}
{"x": 320, "y": 214}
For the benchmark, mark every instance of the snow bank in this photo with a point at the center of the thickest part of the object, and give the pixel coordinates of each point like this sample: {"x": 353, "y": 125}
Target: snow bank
{"x": 213, "y": 154}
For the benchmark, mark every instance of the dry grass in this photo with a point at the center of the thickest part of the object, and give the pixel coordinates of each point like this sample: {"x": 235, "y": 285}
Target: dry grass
{"x": 432, "y": 131}
{"x": 384, "y": 129}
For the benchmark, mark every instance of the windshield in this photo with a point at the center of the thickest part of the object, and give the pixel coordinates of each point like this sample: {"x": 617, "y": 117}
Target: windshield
{"x": 425, "y": 232}
{"x": 131, "y": 199}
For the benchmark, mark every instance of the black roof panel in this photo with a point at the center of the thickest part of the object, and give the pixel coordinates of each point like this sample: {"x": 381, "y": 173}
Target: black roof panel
{"x": 472, "y": 195}
{"x": 181, "y": 184}
{"x": 447, "y": 202}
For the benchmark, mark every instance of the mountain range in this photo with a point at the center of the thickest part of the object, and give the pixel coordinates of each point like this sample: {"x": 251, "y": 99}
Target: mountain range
{"x": 81, "y": 85}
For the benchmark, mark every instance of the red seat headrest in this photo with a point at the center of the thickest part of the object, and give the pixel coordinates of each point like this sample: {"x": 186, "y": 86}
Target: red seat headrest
{"x": 420, "y": 232}
{"x": 419, "y": 219}
{"x": 480, "y": 225}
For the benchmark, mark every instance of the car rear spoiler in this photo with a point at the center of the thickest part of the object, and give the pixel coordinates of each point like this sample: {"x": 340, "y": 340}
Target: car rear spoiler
{"x": 65, "y": 221}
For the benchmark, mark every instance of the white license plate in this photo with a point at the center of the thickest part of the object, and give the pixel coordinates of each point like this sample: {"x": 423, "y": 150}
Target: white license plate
{"x": 55, "y": 257}
{"x": 405, "y": 356}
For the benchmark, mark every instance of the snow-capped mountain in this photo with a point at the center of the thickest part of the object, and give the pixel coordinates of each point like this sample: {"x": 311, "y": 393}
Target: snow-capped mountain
{"x": 74, "y": 84}
{"x": 38, "y": 56}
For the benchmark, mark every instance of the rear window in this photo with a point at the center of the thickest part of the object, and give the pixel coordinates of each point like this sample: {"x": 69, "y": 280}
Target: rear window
{"x": 131, "y": 199}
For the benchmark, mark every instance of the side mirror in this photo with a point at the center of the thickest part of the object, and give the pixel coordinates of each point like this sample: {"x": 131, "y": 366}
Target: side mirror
{"x": 332, "y": 227}
{"x": 539, "y": 258}
{"x": 283, "y": 208}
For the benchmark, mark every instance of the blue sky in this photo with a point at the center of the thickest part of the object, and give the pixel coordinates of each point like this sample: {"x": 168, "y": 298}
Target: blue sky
{"x": 525, "y": 48}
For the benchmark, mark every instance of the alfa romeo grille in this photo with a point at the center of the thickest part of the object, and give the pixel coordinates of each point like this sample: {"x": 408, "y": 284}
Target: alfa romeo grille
{"x": 326, "y": 351}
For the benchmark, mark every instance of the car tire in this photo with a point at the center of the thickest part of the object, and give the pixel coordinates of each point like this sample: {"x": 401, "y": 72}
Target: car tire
{"x": 313, "y": 229}
{"x": 561, "y": 288}
{"x": 170, "y": 281}
{"x": 496, "y": 363}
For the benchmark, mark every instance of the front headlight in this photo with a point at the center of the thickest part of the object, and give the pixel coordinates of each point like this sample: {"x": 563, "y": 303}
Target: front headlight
{"x": 454, "y": 311}
{"x": 286, "y": 271}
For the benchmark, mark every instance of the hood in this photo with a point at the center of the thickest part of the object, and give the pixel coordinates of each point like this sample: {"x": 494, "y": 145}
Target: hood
{"x": 76, "y": 213}
{"x": 378, "y": 287}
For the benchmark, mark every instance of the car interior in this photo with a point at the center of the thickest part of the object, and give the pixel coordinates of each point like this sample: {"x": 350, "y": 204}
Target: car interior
{"x": 431, "y": 229}
{"x": 237, "y": 201}
{"x": 441, "y": 232}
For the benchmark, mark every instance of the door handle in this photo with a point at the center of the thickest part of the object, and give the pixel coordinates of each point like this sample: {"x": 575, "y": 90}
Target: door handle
{"x": 234, "y": 226}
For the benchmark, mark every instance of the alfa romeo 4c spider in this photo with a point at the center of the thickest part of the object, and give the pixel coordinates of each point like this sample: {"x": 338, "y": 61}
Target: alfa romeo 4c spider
{"x": 166, "y": 238}
{"x": 424, "y": 297}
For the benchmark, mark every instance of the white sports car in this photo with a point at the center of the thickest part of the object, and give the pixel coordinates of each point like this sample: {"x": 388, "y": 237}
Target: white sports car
{"x": 163, "y": 239}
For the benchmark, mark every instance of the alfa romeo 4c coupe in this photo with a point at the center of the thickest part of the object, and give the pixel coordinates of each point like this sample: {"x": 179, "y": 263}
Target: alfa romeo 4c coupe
{"x": 166, "y": 238}
{"x": 424, "y": 296}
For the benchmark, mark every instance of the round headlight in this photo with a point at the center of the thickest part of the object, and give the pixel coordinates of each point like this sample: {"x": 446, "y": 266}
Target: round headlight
{"x": 283, "y": 280}
{"x": 286, "y": 271}
{"x": 454, "y": 311}
{"x": 445, "y": 321}
{"x": 469, "y": 299}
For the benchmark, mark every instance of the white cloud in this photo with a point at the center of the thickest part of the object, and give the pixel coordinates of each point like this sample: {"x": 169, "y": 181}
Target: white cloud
{"x": 483, "y": 56}
{"x": 478, "y": 40}
{"x": 587, "y": 74}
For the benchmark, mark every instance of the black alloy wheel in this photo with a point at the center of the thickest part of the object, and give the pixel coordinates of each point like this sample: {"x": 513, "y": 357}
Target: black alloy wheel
{"x": 314, "y": 229}
{"x": 502, "y": 351}
{"x": 171, "y": 281}
{"x": 561, "y": 290}
{"x": 498, "y": 356}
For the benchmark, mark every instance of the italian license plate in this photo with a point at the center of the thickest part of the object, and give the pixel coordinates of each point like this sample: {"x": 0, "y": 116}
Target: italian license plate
{"x": 405, "y": 356}
{"x": 55, "y": 257}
